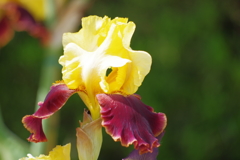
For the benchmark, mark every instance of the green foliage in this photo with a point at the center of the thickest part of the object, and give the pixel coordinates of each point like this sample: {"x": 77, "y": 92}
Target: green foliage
{"x": 195, "y": 76}
{"x": 11, "y": 147}
{"x": 195, "y": 72}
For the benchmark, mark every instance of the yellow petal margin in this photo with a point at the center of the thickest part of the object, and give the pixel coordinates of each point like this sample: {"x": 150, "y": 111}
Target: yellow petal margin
{"x": 37, "y": 8}
{"x": 58, "y": 153}
{"x": 102, "y": 45}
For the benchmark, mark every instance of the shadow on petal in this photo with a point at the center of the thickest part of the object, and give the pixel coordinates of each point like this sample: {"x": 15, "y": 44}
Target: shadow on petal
{"x": 54, "y": 101}
{"x": 134, "y": 155}
{"x": 130, "y": 121}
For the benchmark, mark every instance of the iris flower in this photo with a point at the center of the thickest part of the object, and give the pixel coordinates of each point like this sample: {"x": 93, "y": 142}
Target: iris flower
{"x": 100, "y": 66}
{"x": 22, "y": 15}
{"x": 63, "y": 153}
{"x": 58, "y": 153}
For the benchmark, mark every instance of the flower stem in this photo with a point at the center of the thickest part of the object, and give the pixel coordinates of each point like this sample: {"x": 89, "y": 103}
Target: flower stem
{"x": 49, "y": 74}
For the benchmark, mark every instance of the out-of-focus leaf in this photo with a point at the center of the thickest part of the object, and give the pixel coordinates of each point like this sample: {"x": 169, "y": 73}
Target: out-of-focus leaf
{"x": 11, "y": 146}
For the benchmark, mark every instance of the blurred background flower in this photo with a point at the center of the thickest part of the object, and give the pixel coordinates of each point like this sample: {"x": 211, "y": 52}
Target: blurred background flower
{"x": 195, "y": 76}
{"x": 22, "y": 15}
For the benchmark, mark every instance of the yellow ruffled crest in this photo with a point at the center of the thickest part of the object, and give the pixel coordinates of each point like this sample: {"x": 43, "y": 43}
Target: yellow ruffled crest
{"x": 103, "y": 44}
{"x": 36, "y": 7}
{"x": 58, "y": 153}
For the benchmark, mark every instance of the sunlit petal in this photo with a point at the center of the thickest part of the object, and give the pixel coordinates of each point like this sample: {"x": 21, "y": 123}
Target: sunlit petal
{"x": 61, "y": 152}
{"x": 140, "y": 67}
{"x": 82, "y": 69}
{"x": 87, "y": 37}
{"x": 72, "y": 70}
{"x": 100, "y": 45}
{"x": 58, "y": 153}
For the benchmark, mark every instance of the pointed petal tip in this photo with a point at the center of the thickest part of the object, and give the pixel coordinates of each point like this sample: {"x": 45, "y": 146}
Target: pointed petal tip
{"x": 34, "y": 126}
{"x": 55, "y": 99}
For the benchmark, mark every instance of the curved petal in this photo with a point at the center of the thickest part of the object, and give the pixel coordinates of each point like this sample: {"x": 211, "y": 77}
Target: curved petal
{"x": 134, "y": 155}
{"x": 130, "y": 121}
{"x": 87, "y": 37}
{"x": 113, "y": 62}
{"x": 101, "y": 44}
{"x": 80, "y": 67}
{"x": 70, "y": 61}
{"x": 88, "y": 70}
{"x": 140, "y": 67}
{"x": 54, "y": 101}
{"x": 58, "y": 153}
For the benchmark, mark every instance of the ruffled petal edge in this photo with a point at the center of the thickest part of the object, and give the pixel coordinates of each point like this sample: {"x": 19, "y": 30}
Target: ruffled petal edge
{"x": 55, "y": 99}
{"x": 130, "y": 121}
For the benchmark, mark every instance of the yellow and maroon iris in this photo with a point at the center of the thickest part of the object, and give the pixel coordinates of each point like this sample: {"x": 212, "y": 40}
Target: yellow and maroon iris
{"x": 22, "y": 15}
{"x": 102, "y": 46}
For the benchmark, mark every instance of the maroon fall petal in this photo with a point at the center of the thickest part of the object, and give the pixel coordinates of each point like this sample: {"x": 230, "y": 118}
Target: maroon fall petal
{"x": 6, "y": 31}
{"x": 26, "y": 22}
{"x": 130, "y": 121}
{"x": 55, "y": 99}
{"x": 21, "y": 20}
{"x": 134, "y": 155}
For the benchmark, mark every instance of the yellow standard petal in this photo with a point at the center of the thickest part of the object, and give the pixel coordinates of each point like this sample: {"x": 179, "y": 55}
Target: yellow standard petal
{"x": 103, "y": 45}
{"x": 89, "y": 138}
{"x": 37, "y": 8}
{"x": 58, "y": 153}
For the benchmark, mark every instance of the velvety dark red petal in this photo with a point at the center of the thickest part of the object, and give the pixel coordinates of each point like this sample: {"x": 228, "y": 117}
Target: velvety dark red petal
{"x": 134, "y": 155}
{"x": 6, "y": 31}
{"x": 56, "y": 98}
{"x": 130, "y": 121}
{"x": 26, "y": 22}
{"x": 22, "y": 20}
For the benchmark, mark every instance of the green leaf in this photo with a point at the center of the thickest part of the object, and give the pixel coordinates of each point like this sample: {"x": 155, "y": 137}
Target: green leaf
{"x": 11, "y": 146}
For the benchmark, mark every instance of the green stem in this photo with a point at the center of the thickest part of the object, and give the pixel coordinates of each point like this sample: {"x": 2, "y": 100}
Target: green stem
{"x": 49, "y": 74}
{"x": 50, "y": 68}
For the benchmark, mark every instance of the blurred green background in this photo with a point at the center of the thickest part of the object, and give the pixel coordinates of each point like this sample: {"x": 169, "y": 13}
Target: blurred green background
{"x": 195, "y": 77}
